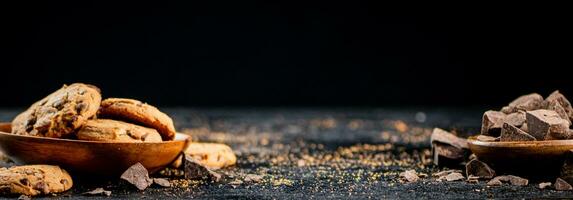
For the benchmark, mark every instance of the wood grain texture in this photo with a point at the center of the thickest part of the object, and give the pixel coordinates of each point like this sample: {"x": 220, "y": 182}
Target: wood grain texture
{"x": 522, "y": 157}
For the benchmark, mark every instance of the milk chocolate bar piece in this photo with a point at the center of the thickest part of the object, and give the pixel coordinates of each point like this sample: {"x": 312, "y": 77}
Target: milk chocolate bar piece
{"x": 556, "y": 96}
{"x": 512, "y": 133}
{"x": 138, "y": 176}
{"x": 527, "y": 102}
{"x": 479, "y": 169}
{"x": 547, "y": 125}
{"x": 492, "y": 122}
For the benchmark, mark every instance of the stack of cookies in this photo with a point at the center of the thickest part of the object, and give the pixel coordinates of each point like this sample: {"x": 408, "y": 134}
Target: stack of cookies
{"x": 77, "y": 111}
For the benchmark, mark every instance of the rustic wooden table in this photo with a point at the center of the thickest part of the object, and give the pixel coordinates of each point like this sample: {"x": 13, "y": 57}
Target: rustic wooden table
{"x": 320, "y": 153}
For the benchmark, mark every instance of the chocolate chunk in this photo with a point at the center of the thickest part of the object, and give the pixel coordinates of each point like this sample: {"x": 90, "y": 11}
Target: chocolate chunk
{"x": 485, "y": 138}
{"x": 559, "y": 98}
{"x": 492, "y": 122}
{"x": 514, "y": 180}
{"x": 448, "y": 152}
{"x": 24, "y": 197}
{"x": 138, "y": 176}
{"x": 194, "y": 170}
{"x": 98, "y": 191}
{"x": 442, "y": 136}
{"x": 544, "y": 185}
{"x": 561, "y": 185}
{"x": 559, "y": 110}
{"x": 454, "y": 176}
{"x": 445, "y": 173}
{"x": 547, "y": 125}
{"x": 410, "y": 176}
{"x": 528, "y": 102}
{"x": 512, "y": 133}
{"x": 516, "y": 119}
{"x": 162, "y": 182}
{"x": 448, "y": 148}
{"x": 479, "y": 169}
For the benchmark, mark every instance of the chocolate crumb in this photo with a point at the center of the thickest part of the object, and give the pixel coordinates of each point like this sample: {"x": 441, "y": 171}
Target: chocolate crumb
{"x": 98, "y": 191}
{"x": 562, "y": 185}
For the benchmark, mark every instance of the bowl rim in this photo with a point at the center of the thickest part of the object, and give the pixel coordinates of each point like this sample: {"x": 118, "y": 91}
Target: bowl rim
{"x": 520, "y": 144}
{"x": 185, "y": 138}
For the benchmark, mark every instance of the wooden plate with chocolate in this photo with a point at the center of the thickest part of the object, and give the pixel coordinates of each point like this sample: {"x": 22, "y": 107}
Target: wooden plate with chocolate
{"x": 90, "y": 157}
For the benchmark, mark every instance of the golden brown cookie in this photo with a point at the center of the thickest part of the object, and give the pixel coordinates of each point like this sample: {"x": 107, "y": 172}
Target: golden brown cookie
{"x": 140, "y": 113}
{"x": 112, "y": 130}
{"x": 33, "y": 180}
{"x": 212, "y": 155}
{"x": 59, "y": 114}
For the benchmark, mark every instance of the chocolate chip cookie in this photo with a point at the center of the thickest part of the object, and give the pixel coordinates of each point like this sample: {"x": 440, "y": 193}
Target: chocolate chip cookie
{"x": 33, "y": 180}
{"x": 59, "y": 114}
{"x": 139, "y": 113}
{"x": 112, "y": 130}
{"x": 212, "y": 155}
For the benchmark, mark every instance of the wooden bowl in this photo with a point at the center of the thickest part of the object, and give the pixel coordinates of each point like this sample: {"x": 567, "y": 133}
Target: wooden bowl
{"x": 90, "y": 157}
{"x": 529, "y": 158}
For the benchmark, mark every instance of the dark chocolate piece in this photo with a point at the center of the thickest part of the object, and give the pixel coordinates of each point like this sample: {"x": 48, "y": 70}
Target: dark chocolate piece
{"x": 492, "y": 122}
{"x": 514, "y": 180}
{"x": 562, "y": 185}
{"x": 479, "y": 169}
{"x": 527, "y": 102}
{"x": 516, "y": 119}
{"x": 442, "y": 136}
{"x": 555, "y": 106}
{"x": 512, "y": 133}
{"x": 547, "y": 125}
{"x": 556, "y": 96}
{"x": 163, "y": 182}
{"x": 544, "y": 185}
{"x": 138, "y": 176}
{"x": 195, "y": 170}
{"x": 448, "y": 148}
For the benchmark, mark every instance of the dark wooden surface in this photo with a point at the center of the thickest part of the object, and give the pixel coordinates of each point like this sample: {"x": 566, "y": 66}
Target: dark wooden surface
{"x": 321, "y": 153}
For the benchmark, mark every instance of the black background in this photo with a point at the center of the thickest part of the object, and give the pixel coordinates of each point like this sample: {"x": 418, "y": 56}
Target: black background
{"x": 268, "y": 53}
